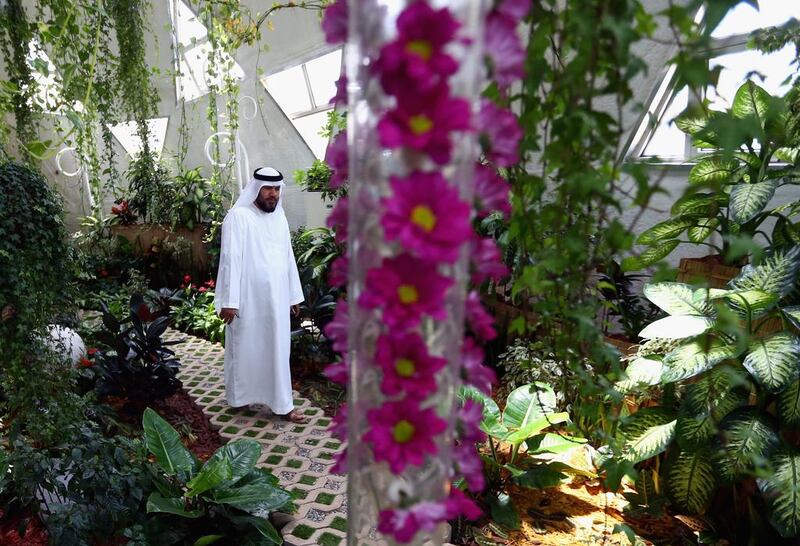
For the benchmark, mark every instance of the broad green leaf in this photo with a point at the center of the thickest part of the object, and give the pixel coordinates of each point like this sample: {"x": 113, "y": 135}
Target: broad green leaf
{"x": 264, "y": 527}
{"x": 691, "y": 481}
{"x": 782, "y": 492}
{"x": 704, "y": 228}
{"x": 751, "y": 100}
{"x": 242, "y": 455}
{"x": 668, "y": 229}
{"x": 787, "y": 155}
{"x": 676, "y": 298}
{"x": 646, "y": 485}
{"x": 694, "y": 358}
{"x": 253, "y": 497}
{"x": 696, "y": 204}
{"x": 793, "y": 314}
{"x": 642, "y": 372}
{"x": 157, "y": 503}
{"x": 692, "y": 121}
{"x": 550, "y": 442}
{"x": 164, "y": 442}
{"x": 647, "y": 433}
{"x": 748, "y": 439}
{"x": 528, "y": 403}
{"x": 542, "y": 476}
{"x": 503, "y": 512}
{"x": 706, "y": 402}
{"x": 789, "y": 404}
{"x": 208, "y": 539}
{"x": 773, "y": 362}
{"x": 211, "y": 475}
{"x": 714, "y": 170}
{"x": 777, "y": 274}
{"x": 535, "y": 426}
{"x": 677, "y": 327}
{"x": 650, "y": 256}
{"x": 748, "y": 200}
{"x": 755, "y": 302}
{"x": 491, "y": 423}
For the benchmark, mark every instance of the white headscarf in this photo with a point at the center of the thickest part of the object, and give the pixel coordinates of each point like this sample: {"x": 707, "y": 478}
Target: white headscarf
{"x": 265, "y": 176}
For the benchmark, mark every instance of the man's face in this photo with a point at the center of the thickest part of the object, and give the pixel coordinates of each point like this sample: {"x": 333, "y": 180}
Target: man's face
{"x": 267, "y": 198}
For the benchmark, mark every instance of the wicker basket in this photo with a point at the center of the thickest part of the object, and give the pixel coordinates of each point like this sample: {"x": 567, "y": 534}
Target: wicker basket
{"x": 705, "y": 271}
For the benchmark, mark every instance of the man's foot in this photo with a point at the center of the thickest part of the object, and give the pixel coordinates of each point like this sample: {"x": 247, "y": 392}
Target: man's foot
{"x": 296, "y": 417}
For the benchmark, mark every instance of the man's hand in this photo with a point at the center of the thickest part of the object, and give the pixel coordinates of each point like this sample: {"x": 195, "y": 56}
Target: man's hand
{"x": 228, "y": 314}
{"x": 296, "y": 310}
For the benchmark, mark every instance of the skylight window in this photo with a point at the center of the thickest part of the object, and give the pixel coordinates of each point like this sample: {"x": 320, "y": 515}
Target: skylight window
{"x": 126, "y": 134}
{"x": 772, "y": 71}
{"x": 192, "y": 57}
{"x": 303, "y": 93}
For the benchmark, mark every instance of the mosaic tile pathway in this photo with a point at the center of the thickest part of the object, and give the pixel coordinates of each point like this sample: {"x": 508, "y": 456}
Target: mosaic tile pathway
{"x": 301, "y": 456}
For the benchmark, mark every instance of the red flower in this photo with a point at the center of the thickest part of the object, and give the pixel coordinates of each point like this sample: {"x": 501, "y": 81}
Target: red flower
{"x": 210, "y": 283}
{"x": 85, "y": 363}
{"x": 202, "y": 289}
{"x": 91, "y": 351}
{"x": 103, "y": 273}
{"x": 187, "y": 279}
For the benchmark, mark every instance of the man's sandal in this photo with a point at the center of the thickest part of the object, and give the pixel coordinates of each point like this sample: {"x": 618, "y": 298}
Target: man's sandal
{"x": 296, "y": 417}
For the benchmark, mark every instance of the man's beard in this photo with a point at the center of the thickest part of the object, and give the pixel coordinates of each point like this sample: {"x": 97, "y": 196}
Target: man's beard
{"x": 266, "y": 206}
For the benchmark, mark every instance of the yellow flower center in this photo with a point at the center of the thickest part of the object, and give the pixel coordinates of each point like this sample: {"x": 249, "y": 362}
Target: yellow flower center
{"x": 403, "y": 431}
{"x": 420, "y": 124}
{"x": 407, "y": 294}
{"x": 423, "y": 216}
{"x": 404, "y": 367}
{"x": 421, "y": 48}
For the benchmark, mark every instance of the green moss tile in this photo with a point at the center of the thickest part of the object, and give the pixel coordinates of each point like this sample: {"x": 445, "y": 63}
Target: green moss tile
{"x": 215, "y": 409}
{"x": 310, "y": 412}
{"x": 224, "y": 418}
{"x": 230, "y": 430}
{"x": 326, "y": 456}
{"x": 269, "y": 435}
{"x": 274, "y": 459}
{"x": 294, "y": 463}
{"x": 332, "y": 445}
{"x": 299, "y": 493}
{"x": 280, "y": 449}
{"x": 192, "y": 383}
{"x": 298, "y": 429}
{"x": 250, "y": 413}
{"x": 260, "y": 424}
{"x": 339, "y": 523}
{"x": 308, "y": 480}
{"x": 324, "y": 422}
{"x": 251, "y": 433}
{"x": 328, "y": 539}
{"x": 325, "y": 498}
{"x": 297, "y": 401}
{"x": 198, "y": 390}
{"x": 311, "y": 442}
{"x": 303, "y": 531}
{"x": 207, "y": 399}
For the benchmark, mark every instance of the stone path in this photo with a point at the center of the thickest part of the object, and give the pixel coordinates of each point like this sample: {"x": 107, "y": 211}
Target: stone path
{"x": 301, "y": 456}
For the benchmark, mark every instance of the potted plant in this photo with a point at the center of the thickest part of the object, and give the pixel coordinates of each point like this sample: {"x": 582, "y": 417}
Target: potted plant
{"x": 730, "y": 187}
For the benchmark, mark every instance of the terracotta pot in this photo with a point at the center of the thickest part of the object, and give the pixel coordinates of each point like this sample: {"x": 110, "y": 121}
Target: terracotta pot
{"x": 142, "y": 236}
{"x": 708, "y": 270}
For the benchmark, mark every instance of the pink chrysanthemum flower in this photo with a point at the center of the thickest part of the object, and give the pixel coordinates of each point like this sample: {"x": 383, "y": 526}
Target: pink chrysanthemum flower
{"x": 334, "y": 22}
{"x": 473, "y": 372}
{"x": 500, "y": 134}
{"x": 337, "y": 220}
{"x": 336, "y": 329}
{"x": 416, "y": 60}
{"x": 407, "y": 365}
{"x": 427, "y": 216}
{"x": 470, "y": 466}
{"x": 458, "y": 504}
{"x": 406, "y": 288}
{"x": 515, "y": 10}
{"x": 338, "y": 427}
{"x": 340, "y": 462}
{"x": 487, "y": 261}
{"x": 338, "y": 372}
{"x": 424, "y": 123}
{"x": 336, "y": 158}
{"x": 504, "y": 49}
{"x": 479, "y": 320}
{"x": 491, "y": 190}
{"x": 341, "y": 92}
{"x": 402, "y": 434}
{"x": 469, "y": 419}
{"x": 404, "y": 523}
{"x": 337, "y": 274}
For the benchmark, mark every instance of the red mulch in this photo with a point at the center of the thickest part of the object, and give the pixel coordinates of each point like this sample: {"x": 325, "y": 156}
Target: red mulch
{"x": 22, "y": 530}
{"x": 181, "y": 411}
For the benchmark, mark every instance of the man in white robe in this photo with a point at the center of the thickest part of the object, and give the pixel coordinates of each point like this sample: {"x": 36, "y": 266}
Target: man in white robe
{"x": 257, "y": 284}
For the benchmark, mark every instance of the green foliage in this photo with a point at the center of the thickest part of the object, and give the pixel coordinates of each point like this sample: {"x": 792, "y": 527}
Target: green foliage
{"x": 192, "y": 206}
{"x": 137, "y": 365}
{"x": 227, "y": 496}
{"x": 152, "y": 196}
{"x": 622, "y": 302}
{"x": 195, "y": 312}
{"x": 743, "y": 142}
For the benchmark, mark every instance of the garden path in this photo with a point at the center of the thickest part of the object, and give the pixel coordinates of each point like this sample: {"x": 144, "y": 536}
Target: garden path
{"x": 301, "y": 456}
